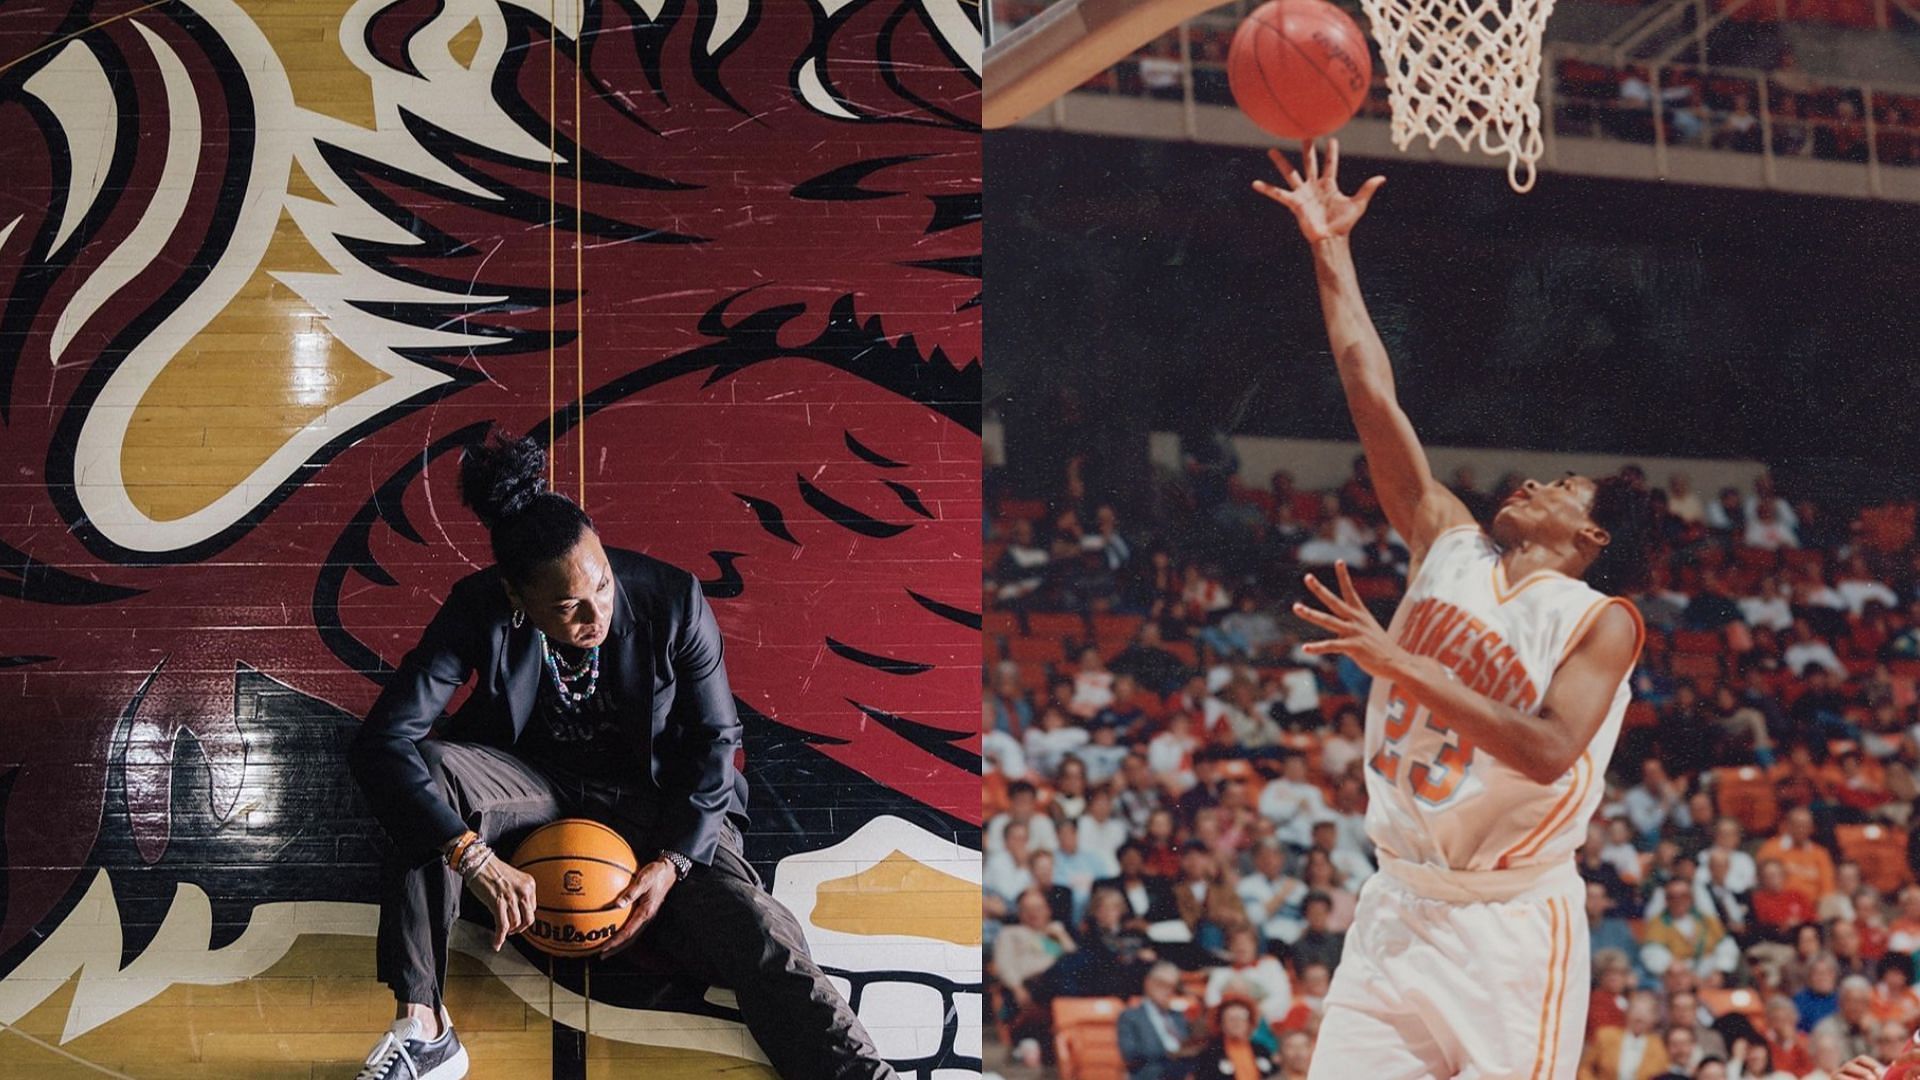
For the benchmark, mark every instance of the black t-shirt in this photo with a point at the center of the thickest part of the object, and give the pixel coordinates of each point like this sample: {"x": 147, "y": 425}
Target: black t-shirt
{"x": 587, "y": 740}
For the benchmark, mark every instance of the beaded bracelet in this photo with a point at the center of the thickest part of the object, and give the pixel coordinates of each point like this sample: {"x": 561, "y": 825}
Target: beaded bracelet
{"x": 483, "y": 856}
{"x": 460, "y": 846}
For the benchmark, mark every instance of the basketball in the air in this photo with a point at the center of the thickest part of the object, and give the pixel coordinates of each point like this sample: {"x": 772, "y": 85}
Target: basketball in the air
{"x": 1299, "y": 68}
{"x": 578, "y": 868}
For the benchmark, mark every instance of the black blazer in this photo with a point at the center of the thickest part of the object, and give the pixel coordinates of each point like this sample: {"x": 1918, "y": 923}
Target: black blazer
{"x": 661, "y": 626}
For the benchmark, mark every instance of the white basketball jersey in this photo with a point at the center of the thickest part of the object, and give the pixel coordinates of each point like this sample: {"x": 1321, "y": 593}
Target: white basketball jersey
{"x": 1435, "y": 801}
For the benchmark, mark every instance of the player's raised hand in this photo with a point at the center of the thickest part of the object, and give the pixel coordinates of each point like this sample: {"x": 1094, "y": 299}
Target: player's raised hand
{"x": 1356, "y": 633}
{"x": 1315, "y": 198}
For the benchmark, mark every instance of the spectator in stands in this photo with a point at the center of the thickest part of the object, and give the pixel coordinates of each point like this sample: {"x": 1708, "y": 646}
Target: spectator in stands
{"x": 1739, "y": 129}
{"x": 1240, "y": 722}
{"x": 1786, "y": 1040}
{"x": 1684, "y": 1010}
{"x": 1805, "y": 650}
{"x": 1101, "y": 833}
{"x": 1233, "y": 1052}
{"x": 1041, "y": 869}
{"x": 1127, "y": 713}
{"x": 1155, "y": 1041}
{"x": 1092, "y": 686}
{"x": 1245, "y": 632}
{"x": 1170, "y": 754}
{"x": 1275, "y": 902}
{"x": 1161, "y": 844}
{"x": 1682, "y": 934}
{"x": 1145, "y": 898}
{"x": 1753, "y": 1060}
{"x": 1023, "y": 802}
{"x": 1319, "y": 943}
{"x": 1742, "y": 872}
{"x": 1652, "y": 803}
{"x": 1296, "y": 1051}
{"x": 1778, "y": 909}
{"x": 1890, "y": 1039}
{"x": 1727, "y": 513}
{"x": 1613, "y": 982}
{"x": 1158, "y": 670}
{"x": 1607, "y": 931}
{"x": 1596, "y": 867}
{"x": 1809, "y": 869}
{"x": 1137, "y": 795}
{"x": 1293, "y": 802}
{"x": 1620, "y": 851}
{"x": 1251, "y": 976}
{"x": 1326, "y": 547}
{"x": 1744, "y": 738}
{"x": 1021, "y": 569}
{"x": 1022, "y": 953}
{"x": 1345, "y": 745}
{"x": 1077, "y": 868}
{"x": 1005, "y": 872}
{"x": 1903, "y": 933}
{"x": 1858, "y": 587}
{"x": 1770, "y": 607}
{"x": 1768, "y": 532}
{"x": 1114, "y": 550}
{"x": 1207, "y": 901}
{"x": 1354, "y": 867}
{"x": 1820, "y": 998}
{"x": 1069, "y": 790}
{"x": 1720, "y": 898}
{"x": 1322, "y": 876}
{"x": 1634, "y": 1051}
{"x": 1852, "y": 1021}
{"x": 1000, "y": 752}
{"x": 1838, "y": 904}
{"x": 1683, "y": 1052}
{"x": 1894, "y": 998}
{"x": 1202, "y": 596}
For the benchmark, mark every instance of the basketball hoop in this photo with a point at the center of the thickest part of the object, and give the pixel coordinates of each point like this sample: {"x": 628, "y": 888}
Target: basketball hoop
{"x": 1468, "y": 70}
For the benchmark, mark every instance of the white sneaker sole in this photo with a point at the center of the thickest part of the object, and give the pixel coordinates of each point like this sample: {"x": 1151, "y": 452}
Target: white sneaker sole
{"x": 453, "y": 1068}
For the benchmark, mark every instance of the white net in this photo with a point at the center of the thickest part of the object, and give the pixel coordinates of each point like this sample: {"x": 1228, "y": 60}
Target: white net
{"x": 1468, "y": 70}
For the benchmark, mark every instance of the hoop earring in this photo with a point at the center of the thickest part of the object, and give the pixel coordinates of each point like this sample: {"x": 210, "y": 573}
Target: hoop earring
{"x": 519, "y": 618}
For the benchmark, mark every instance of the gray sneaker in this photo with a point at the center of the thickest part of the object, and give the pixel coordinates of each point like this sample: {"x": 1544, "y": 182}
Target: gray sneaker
{"x": 401, "y": 1054}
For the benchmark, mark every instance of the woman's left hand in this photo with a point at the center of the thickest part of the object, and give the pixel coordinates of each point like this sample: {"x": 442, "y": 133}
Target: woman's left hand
{"x": 1357, "y": 634}
{"x": 644, "y": 896}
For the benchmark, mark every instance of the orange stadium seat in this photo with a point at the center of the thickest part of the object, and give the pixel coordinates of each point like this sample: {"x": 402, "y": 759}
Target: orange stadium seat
{"x": 1699, "y": 643}
{"x": 1880, "y": 851}
{"x": 1641, "y": 714}
{"x": 1023, "y": 508}
{"x": 1184, "y": 651}
{"x": 1086, "y": 1038}
{"x": 1116, "y": 630}
{"x": 1036, "y": 651}
{"x": 1745, "y": 1002}
{"x": 1004, "y": 623}
{"x": 1745, "y": 794}
{"x": 1056, "y": 625}
{"x": 1696, "y": 666}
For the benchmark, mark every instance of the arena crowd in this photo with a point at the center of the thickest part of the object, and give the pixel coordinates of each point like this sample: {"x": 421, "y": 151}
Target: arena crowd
{"x": 1175, "y": 794}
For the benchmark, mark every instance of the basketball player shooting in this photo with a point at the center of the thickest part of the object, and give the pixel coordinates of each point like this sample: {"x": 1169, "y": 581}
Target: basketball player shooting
{"x": 1498, "y": 692}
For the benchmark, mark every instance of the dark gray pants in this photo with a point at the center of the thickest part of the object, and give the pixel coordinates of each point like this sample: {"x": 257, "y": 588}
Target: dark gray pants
{"x": 718, "y": 925}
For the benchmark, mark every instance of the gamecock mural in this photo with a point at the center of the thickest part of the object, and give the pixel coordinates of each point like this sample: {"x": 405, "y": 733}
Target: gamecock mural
{"x": 265, "y": 273}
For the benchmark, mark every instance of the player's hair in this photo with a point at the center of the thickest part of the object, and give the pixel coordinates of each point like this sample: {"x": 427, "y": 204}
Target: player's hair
{"x": 503, "y": 480}
{"x": 1627, "y": 514}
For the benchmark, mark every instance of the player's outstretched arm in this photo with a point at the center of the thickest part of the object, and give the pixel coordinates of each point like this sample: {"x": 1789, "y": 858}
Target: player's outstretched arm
{"x": 1542, "y": 747}
{"x": 1417, "y": 506}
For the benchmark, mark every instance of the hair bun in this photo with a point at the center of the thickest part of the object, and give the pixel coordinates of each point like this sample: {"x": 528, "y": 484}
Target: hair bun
{"x": 500, "y": 476}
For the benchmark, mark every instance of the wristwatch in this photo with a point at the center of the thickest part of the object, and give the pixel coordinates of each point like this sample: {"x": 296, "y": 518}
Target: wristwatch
{"x": 682, "y": 866}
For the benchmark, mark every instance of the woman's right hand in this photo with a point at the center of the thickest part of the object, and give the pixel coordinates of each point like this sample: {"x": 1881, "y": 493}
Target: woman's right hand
{"x": 509, "y": 894}
{"x": 1322, "y": 210}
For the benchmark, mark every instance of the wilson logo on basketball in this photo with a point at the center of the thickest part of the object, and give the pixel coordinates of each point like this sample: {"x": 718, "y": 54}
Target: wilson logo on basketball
{"x": 1338, "y": 54}
{"x": 573, "y": 883}
{"x": 563, "y": 934}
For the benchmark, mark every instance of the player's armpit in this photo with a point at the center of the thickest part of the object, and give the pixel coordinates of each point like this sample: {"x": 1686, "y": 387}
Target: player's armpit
{"x": 1582, "y": 689}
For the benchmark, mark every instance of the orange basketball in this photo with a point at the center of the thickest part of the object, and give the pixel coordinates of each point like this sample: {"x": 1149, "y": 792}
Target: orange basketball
{"x": 1299, "y": 68}
{"x": 578, "y": 868}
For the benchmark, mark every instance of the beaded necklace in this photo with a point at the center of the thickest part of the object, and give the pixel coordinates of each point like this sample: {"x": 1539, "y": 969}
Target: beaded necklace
{"x": 574, "y": 683}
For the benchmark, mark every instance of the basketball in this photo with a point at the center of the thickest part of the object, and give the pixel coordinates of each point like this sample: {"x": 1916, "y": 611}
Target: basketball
{"x": 1299, "y": 68}
{"x": 578, "y": 868}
